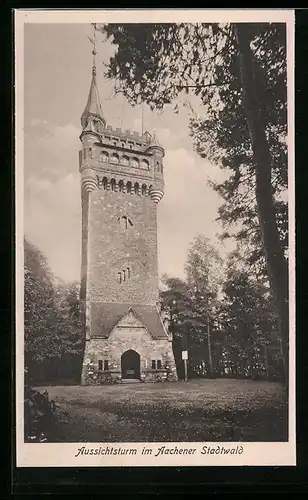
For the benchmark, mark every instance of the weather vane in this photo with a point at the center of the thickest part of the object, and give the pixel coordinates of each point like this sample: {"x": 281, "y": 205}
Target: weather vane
{"x": 93, "y": 41}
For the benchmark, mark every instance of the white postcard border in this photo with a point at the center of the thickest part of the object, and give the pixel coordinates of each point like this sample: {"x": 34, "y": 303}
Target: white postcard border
{"x": 205, "y": 454}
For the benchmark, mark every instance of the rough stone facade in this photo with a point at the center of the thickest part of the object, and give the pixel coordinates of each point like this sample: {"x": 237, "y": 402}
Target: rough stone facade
{"x": 121, "y": 186}
{"x": 129, "y": 334}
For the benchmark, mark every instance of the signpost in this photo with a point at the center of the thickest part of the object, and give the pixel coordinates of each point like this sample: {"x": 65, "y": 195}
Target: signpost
{"x": 185, "y": 358}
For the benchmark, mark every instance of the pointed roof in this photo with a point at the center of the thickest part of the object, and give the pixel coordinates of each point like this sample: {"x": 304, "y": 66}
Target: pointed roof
{"x": 93, "y": 107}
{"x": 147, "y": 136}
{"x": 154, "y": 143}
{"x": 106, "y": 316}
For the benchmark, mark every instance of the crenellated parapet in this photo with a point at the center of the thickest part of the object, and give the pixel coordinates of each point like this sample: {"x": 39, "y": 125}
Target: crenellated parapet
{"x": 126, "y": 134}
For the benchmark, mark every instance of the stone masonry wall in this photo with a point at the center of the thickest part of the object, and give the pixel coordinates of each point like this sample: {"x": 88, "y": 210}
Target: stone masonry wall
{"x": 114, "y": 247}
{"x": 122, "y": 339}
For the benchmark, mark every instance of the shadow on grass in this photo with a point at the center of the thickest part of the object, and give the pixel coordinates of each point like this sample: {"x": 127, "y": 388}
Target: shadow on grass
{"x": 167, "y": 424}
{"x": 212, "y": 411}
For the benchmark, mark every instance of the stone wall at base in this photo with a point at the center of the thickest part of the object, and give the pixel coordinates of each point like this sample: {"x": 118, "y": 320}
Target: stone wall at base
{"x": 120, "y": 341}
{"x": 111, "y": 377}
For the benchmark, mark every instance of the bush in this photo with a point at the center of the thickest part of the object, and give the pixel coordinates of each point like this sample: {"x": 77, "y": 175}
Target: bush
{"x": 41, "y": 417}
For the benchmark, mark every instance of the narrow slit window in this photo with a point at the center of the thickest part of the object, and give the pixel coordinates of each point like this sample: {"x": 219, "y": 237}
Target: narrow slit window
{"x": 128, "y": 272}
{"x": 124, "y": 274}
{"x": 120, "y": 277}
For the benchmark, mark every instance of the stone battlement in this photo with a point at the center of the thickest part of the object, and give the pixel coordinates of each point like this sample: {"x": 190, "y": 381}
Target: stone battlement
{"x": 125, "y": 134}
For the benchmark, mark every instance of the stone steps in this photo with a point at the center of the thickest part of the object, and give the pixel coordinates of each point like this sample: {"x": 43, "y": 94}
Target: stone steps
{"x": 130, "y": 381}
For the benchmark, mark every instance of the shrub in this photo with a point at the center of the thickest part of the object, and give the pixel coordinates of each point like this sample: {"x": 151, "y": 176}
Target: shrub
{"x": 41, "y": 417}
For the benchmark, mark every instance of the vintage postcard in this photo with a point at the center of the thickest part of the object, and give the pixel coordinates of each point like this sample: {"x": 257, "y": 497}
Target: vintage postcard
{"x": 155, "y": 221}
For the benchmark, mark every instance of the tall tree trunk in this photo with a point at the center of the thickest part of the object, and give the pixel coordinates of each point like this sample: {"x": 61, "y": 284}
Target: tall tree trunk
{"x": 275, "y": 260}
{"x": 209, "y": 346}
{"x": 266, "y": 362}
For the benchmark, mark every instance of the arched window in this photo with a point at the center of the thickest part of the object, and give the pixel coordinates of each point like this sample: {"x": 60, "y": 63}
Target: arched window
{"x": 145, "y": 164}
{"x": 158, "y": 165}
{"x": 121, "y": 186}
{"x": 105, "y": 182}
{"x": 136, "y": 188}
{"x": 104, "y": 156}
{"x": 135, "y": 162}
{"x": 112, "y": 184}
{"x": 143, "y": 189}
{"x": 129, "y": 187}
{"x": 125, "y": 160}
{"x": 115, "y": 158}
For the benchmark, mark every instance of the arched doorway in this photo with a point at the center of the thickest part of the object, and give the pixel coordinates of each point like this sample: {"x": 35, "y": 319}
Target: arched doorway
{"x": 130, "y": 364}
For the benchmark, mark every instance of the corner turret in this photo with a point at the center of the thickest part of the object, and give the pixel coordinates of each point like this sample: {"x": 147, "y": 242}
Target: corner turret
{"x": 154, "y": 147}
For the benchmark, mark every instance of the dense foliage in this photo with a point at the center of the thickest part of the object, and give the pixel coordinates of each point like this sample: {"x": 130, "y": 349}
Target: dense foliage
{"x": 53, "y": 333}
{"x": 224, "y": 316}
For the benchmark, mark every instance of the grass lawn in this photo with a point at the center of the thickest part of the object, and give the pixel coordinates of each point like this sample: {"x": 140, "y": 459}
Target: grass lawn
{"x": 199, "y": 410}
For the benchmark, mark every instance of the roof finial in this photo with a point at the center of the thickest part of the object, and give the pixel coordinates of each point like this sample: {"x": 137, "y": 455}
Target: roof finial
{"x": 93, "y": 107}
{"x": 93, "y": 41}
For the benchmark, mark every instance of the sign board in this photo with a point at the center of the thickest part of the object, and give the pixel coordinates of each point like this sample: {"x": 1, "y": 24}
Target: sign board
{"x": 184, "y": 354}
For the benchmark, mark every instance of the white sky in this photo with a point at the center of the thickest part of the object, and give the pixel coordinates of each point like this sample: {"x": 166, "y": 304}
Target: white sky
{"x": 58, "y": 63}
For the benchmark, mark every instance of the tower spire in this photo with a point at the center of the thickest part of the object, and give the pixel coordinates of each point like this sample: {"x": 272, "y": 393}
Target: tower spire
{"x": 93, "y": 107}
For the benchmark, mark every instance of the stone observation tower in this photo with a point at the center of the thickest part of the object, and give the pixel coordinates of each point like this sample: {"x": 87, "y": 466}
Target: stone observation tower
{"x": 121, "y": 186}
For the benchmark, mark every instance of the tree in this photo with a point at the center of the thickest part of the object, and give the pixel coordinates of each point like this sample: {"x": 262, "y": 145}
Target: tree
{"x": 239, "y": 73}
{"x": 176, "y": 304}
{"x": 192, "y": 304}
{"x": 249, "y": 321}
{"x": 224, "y": 315}
{"x": 39, "y": 314}
{"x": 204, "y": 276}
{"x": 54, "y": 338}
